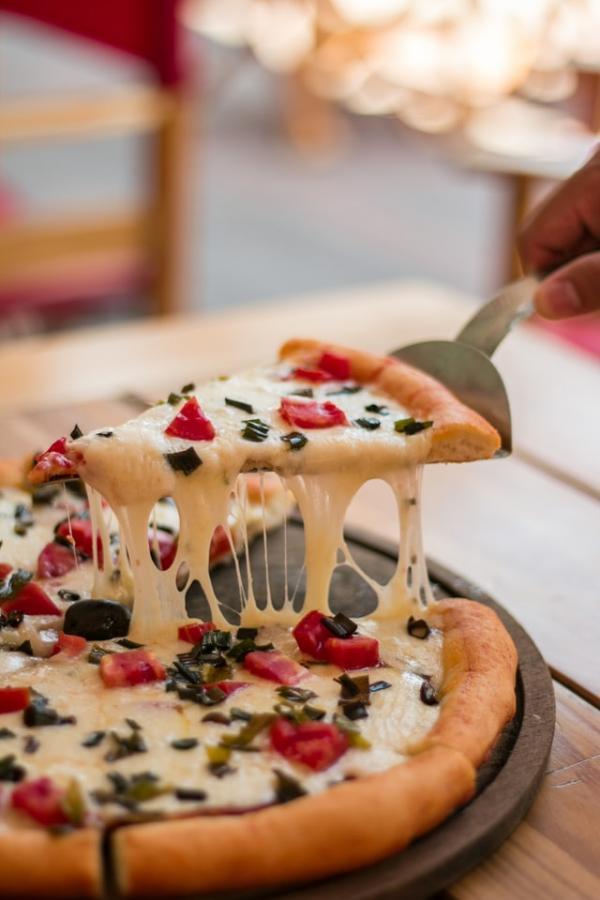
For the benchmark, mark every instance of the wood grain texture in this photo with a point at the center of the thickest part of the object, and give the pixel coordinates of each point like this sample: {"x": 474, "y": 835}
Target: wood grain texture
{"x": 544, "y": 378}
{"x": 553, "y": 853}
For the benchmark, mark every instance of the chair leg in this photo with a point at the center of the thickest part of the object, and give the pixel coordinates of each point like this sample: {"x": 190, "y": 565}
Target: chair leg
{"x": 168, "y": 294}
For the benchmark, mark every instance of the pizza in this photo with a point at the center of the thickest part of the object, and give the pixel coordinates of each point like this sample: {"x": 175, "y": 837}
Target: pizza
{"x": 268, "y": 741}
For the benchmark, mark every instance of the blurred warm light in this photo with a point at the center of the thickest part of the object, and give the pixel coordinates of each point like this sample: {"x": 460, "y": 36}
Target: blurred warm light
{"x": 433, "y": 63}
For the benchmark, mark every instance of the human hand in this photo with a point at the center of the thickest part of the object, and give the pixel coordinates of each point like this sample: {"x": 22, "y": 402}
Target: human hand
{"x": 563, "y": 235}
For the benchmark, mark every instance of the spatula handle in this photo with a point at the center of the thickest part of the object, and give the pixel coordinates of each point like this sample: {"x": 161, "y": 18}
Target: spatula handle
{"x": 492, "y": 322}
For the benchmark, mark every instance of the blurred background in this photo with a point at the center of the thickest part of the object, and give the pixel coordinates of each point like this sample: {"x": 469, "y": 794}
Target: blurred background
{"x": 160, "y": 156}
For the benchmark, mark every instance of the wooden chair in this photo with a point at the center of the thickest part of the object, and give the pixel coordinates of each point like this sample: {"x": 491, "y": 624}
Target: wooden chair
{"x": 92, "y": 256}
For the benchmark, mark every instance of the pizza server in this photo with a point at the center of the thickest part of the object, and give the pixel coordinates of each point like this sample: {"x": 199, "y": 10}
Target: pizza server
{"x": 464, "y": 364}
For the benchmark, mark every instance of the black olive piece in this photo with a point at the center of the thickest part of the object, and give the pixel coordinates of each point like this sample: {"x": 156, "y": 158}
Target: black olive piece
{"x": 418, "y": 628}
{"x": 428, "y": 694}
{"x": 97, "y": 620}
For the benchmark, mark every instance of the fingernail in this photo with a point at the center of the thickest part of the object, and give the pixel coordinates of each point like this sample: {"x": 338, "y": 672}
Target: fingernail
{"x": 558, "y": 300}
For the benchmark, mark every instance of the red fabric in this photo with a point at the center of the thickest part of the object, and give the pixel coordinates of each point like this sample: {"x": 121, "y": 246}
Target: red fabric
{"x": 147, "y": 29}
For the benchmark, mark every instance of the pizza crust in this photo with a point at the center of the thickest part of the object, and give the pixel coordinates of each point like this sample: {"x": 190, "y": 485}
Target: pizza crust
{"x": 344, "y": 828}
{"x": 478, "y": 692}
{"x": 459, "y": 434}
{"x": 370, "y": 817}
{"x": 36, "y": 863}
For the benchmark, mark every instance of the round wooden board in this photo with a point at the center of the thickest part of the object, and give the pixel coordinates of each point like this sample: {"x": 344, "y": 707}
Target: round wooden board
{"x": 506, "y": 783}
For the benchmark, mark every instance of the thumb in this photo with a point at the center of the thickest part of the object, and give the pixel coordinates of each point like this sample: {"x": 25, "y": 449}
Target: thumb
{"x": 572, "y": 290}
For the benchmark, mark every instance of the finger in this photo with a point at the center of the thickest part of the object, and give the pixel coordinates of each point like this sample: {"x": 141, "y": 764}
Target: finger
{"x": 567, "y": 223}
{"x": 572, "y": 290}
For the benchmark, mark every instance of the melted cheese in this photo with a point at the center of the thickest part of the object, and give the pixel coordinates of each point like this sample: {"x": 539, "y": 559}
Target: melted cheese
{"x": 397, "y": 717}
{"x": 129, "y": 470}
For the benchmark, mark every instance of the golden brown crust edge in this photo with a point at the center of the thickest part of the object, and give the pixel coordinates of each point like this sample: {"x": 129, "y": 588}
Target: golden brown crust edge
{"x": 478, "y": 693}
{"x": 34, "y": 863}
{"x": 459, "y": 434}
{"x": 369, "y": 819}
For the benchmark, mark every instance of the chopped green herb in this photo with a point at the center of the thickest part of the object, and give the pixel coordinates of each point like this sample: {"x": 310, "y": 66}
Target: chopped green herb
{"x": 6, "y": 733}
{"x": 246, "y": 735}
{"x": 69, "y": 596}
{"x": 255, "y": 430}
{"x": 76, "y": 433}
{"x": 188, "y": 388}
{"x": 93, "y": 739}
{"x": 302, "y": 392}
{"x": 73, "y": 803}
{"x": 240, "y": 404}
{"x": 346, "y": 389}
{"x": 104, "y": 434}
{"x": 186, "y": 461}
{"x": 410, "y": 426}
{"x": 295, "y": 694}
{"x": 184, "y": 743}
{"x": 313, "y": 712}
{"x": 125, "y": 745}
{"x": 216, "y": 717}
{"x": 379, "y": 686}
{"x": 38, "y": 714}
{"x": 352, "y": 732}
{"x": 246, "y": 633}
{"x": 370, "y": 423}
{"x": 286, "y": 787}
{"x": 376, "y": 408}
{"x": 340, "y": 625}
{"x": 418, "y": 628}
{"x": 243, "y": 715}
{"x": 25, "y": 647}
{"x": 129, "y": 645}
{"x": 96, "y": 653}
{"x": 295, "y": 440}
{"x": 185, "y": 793}
{"x": 10, "y": 770}
{"x": 13, "y": 583}
{"x": 218, "y": 759}
{"x": 135, "y": 726}
{"x": 240, "y": 650}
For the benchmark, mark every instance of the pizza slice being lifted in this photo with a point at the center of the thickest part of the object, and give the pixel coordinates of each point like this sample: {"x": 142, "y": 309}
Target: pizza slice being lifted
{"x": 373, "y": 726}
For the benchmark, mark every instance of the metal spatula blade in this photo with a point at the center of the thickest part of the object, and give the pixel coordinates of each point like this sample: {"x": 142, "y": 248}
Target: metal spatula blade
{"x": 464, "y": 364}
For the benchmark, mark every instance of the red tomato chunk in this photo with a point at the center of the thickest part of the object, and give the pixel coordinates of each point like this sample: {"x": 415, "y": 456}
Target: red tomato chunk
{"x": 314, "y": 744}
{"x": 69, "y": 644}
{"x": 31, "y": 600}
{"x": 311, "y": 413}
{"x": 230, "y": 687}
{"x": 164, "y": 545}
{"x": 42, "y": 800}
{"x": 336, "y": 366}
{"x": 194, "y": 632}
{"x": 317, "y": 376}
{"x": 311, "y": 634}
{"x": 191, "y": 423}
{"x": 130, "y": 668}
{"x": 12, "y": 699}
{"x": 5, "y": 570}
{"x": 80, "y": 531}
{"x": 356, "y": 652}
{"x": 274, "y": 666}
{"x": 55, "y": 560}
{"x": 219, "y": 545}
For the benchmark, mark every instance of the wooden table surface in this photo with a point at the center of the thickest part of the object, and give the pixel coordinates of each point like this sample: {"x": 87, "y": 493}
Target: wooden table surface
{"x": 526, "y": 529}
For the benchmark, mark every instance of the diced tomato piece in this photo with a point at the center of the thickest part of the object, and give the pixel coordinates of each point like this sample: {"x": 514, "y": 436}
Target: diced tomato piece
{"x": 55, "y": 559}
{"x": 311, "y": 634}
{"x": 311, "y": 413}
{"x": 42, "y": 800}
{"x": 12, "y": 699}
{"x": 195, "y": 631}
{"x": 130, "y": 668}
{"x": 356, "y": 652}
{"x": 69, "y": 644}
{"x": 314, "y": 744}
{"x": 165, "y": 543}
{"x": 335, "y": 365}
{"x": 274, "y": 666}
{"x": 317, "y": 376}
{"x": 81, "y": 531}
{"x": 219, "y": 545}
{"x": 55, "y": 461}
{"x": 191, "y": 423}
{"x": 230, "y": 687}
{"x": 5, "y": 570}
{"x": 32, "y": 600}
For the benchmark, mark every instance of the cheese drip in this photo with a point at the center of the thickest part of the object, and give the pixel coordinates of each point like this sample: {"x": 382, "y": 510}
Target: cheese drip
{"x": 323, "y": 501}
